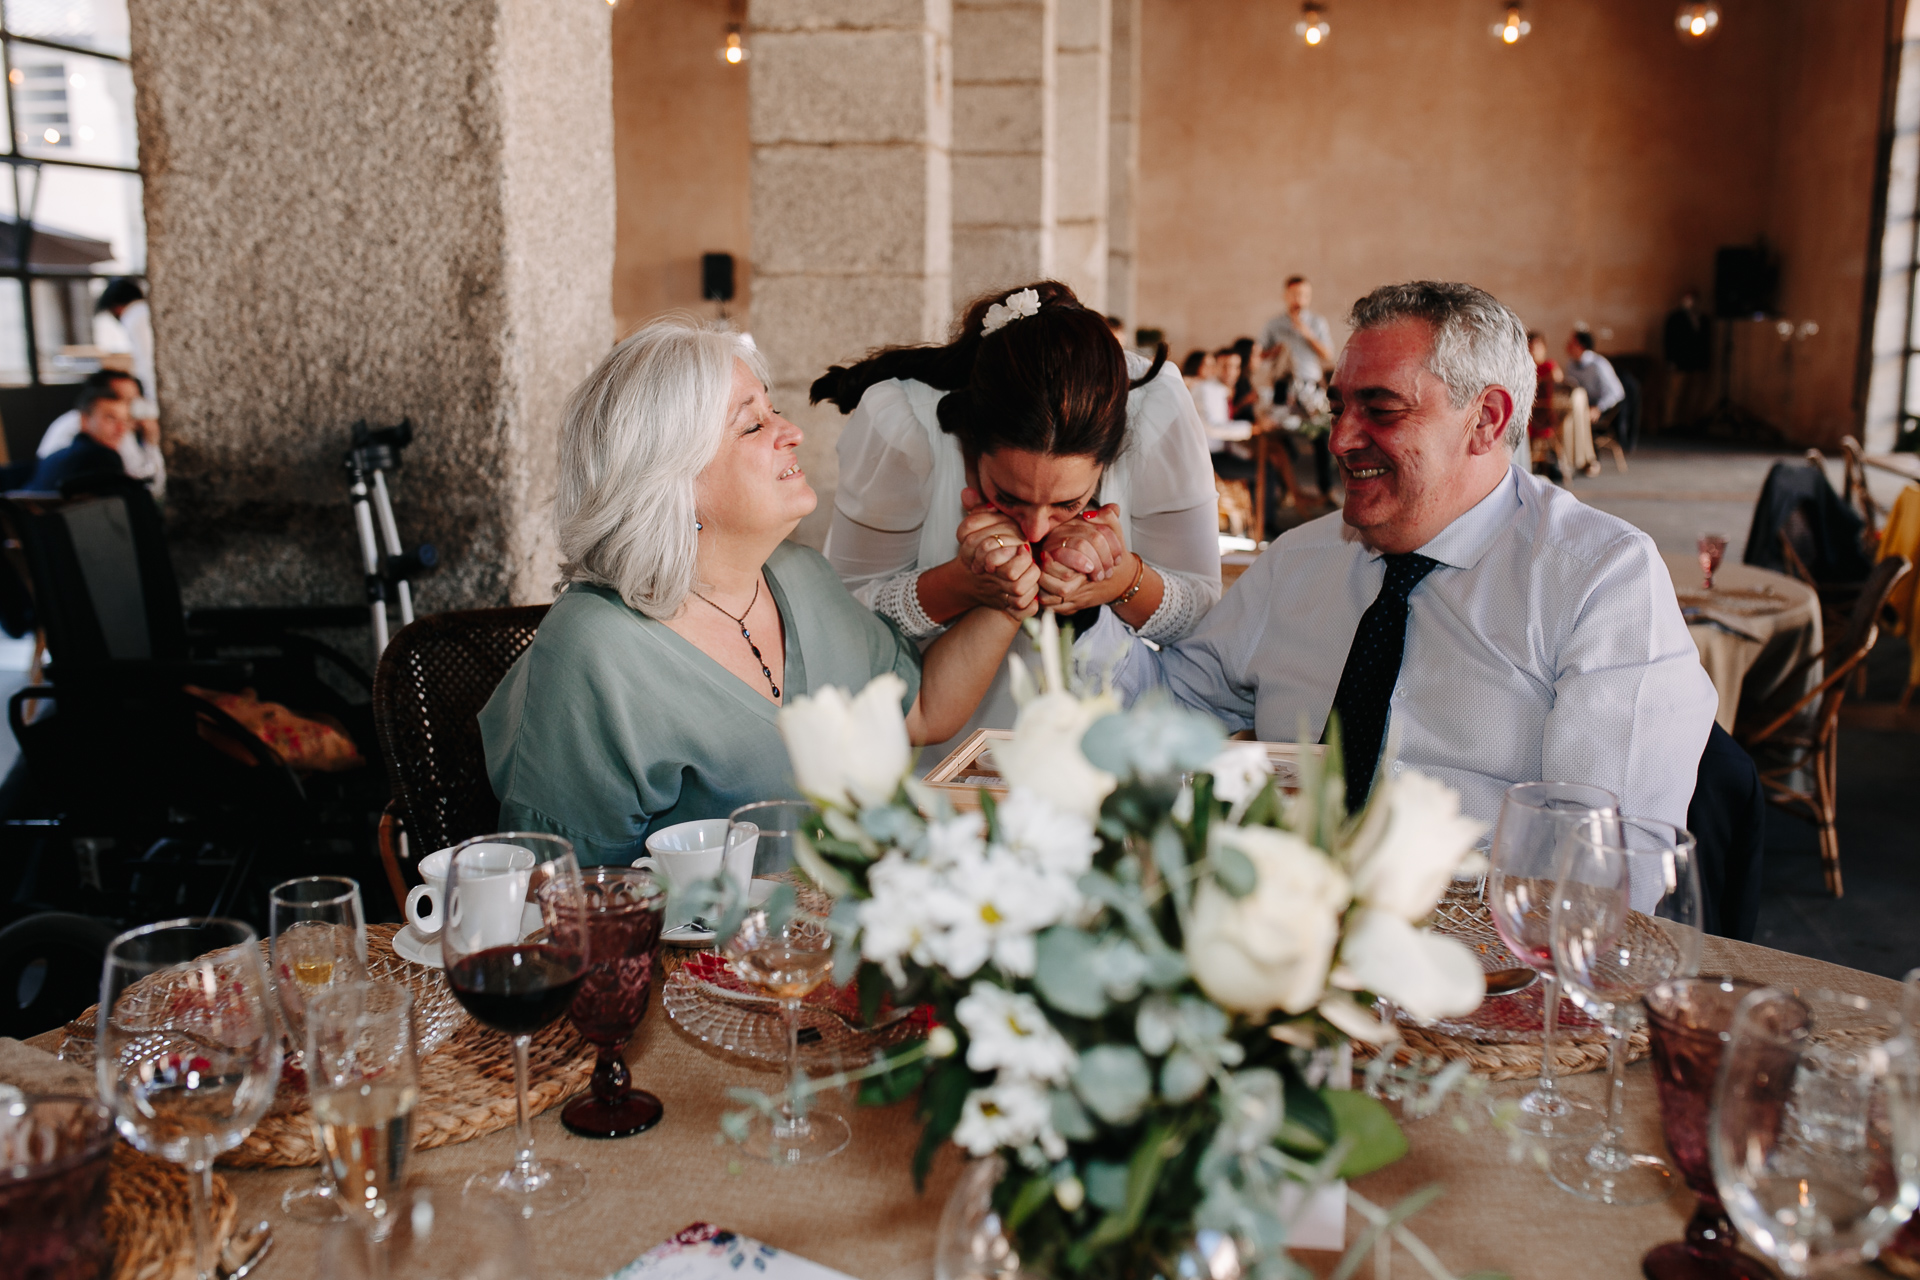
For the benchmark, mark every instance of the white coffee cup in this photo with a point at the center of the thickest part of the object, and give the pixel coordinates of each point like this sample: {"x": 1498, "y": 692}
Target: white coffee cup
{"x": 692, "y": 851}
{"x": 427, "y": 919}
{"x": 487, "y": 910}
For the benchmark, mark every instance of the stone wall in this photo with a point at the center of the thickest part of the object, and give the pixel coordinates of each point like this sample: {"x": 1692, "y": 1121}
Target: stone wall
{"x": 1004, "y": 148}
{"x": 364, "y": 209}
{"x": 1123, "y": 162}
{"x": 1082, "y": 102}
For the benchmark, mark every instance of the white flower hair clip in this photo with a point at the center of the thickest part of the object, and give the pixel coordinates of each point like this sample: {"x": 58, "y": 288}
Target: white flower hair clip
{"x": 1025, "y": 302}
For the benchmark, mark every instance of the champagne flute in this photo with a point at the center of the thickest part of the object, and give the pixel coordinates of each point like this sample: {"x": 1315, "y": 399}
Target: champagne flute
{"x": 187, "y": 1052}
{"x": 1535, "y": 819}
{"x": 363, "y": 1079}
{"x": 1626, "y": 917}
{"x": 1712, "y": 547}
{"x": 517, "y": 986}
{"x": 319, "y": 938}
{"x": 787, "y": 961}
{"x": 1815, "y": 1135}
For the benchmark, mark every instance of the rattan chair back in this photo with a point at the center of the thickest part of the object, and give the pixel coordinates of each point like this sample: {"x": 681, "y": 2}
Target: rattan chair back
{"x": 431, "y": 683}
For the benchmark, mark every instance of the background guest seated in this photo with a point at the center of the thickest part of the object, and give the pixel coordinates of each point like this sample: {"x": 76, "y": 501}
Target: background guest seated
{"x": 105, "y": 420}
{"x": 652, "y": 692}
{"x": 1541, "y": 638}
{"x": 139, "y": 448}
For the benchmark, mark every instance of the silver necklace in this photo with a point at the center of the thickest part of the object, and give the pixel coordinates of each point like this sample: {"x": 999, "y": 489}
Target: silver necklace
{"x": 741, "y": 622}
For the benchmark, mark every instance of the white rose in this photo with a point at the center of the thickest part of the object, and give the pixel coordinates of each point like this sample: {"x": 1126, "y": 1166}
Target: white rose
{"x": 1428, "y": 975}
{"x": 849, "y": 751}
{"x": 1408, "y": 847}
{"x": 1272, "y": 948}
{"x": 1044, "y": 753}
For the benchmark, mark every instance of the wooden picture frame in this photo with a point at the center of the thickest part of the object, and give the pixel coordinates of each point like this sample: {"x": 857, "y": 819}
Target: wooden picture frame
{"x": 969, "y": 768}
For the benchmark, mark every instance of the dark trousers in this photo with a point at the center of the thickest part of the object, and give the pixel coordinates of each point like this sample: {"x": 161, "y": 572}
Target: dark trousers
{"x": 1728, "y": 817}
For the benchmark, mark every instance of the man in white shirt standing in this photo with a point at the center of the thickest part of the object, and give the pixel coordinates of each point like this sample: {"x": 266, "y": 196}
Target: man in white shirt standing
{"x": 1308, "y": 341}
{"x": 1502, "y": 630}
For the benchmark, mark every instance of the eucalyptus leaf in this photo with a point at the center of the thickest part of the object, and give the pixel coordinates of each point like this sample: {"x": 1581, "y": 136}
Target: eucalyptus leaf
{"x": 1170, "y": 856}
{"x": 1114, "y": 1081}
{"x": 1106, "y": 1182}
{"x": 1234, "y": 870}
{"x": 1363, "y": 1122}
{"x": 1070, "y": 1119}
{"x": 1182, "y": 1076}
{"x": 1067, "y": 971}
{"x": 1166, "y": 970}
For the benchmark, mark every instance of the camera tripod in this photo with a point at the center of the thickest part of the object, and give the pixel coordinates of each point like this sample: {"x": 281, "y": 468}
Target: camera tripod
{"x": 376, "y": 451}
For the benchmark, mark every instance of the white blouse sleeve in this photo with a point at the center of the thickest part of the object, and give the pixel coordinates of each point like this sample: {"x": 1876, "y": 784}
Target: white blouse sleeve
{"x": 873, "y": 541}
{"x": 1173, "y": 512}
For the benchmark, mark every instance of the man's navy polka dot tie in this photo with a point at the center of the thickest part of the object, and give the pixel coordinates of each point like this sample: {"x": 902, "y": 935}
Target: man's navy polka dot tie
{"x": 1373, "y": 665}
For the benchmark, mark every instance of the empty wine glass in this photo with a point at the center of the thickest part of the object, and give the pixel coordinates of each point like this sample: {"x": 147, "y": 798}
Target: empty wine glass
{"x": 319, "y": 939}
{"x": 787, "y": 960}
{"x": 1535, "y": 819}
{"x": 363, "y": 1079}
{"x": 517, "y": 945}
{"x": 187, "y": 1052}
{"x": 1626, "y": 917}
{"x": 778, "y": 824}
{"x": 435, "y": 1236}
{"x": 1712, "y": 547}
{"x": 1815, "y": 1135}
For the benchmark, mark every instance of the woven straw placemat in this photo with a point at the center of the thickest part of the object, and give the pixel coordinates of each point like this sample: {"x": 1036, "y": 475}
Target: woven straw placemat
{"x": 466, "y": 1086}
{"x": 147, "y": 1216}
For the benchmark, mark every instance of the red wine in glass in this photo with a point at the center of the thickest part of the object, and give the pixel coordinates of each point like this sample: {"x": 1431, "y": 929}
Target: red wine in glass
{"x": 517, "y": 989}
{"x": 621, "y": 915}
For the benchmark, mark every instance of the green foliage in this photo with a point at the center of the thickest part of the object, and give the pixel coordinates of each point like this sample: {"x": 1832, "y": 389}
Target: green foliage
{"x": 896, "y": 1082}
{"x": 1367, "y": 1129}
{"x": 941, "y": 1099}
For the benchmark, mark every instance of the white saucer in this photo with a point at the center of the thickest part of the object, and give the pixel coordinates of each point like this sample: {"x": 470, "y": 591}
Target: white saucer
{"x": 758, "y": 891}
{"x": 411, "y": 947}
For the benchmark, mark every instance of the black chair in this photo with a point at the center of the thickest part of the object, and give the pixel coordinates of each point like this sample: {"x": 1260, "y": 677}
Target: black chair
{"x": 50, "y": 970}
{"x": 1728, "y": 817}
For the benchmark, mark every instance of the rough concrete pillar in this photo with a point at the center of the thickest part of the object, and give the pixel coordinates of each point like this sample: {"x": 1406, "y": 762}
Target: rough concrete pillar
{"x": 364, "y": 209}
{"x": 1003, "y": 143}
{"x": 1081, "y": 97}
{"x": 1123, "y": 163}
{"x": 851, "y": 113}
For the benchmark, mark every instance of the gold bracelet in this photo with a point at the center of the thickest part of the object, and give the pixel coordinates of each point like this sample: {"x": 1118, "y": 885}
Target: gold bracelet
{"x": 1139, "y": 579}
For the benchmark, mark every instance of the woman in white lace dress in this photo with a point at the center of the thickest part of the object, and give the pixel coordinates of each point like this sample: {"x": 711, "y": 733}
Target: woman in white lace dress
{"x": 1029, "y": 463}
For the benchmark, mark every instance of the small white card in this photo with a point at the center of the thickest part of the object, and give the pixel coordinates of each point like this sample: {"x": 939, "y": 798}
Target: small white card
{"x": 1318, "y": 1223}
{"x": 703, "y": 1251}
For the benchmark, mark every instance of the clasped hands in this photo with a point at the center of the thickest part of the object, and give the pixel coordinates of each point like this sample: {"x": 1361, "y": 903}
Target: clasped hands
{"x": 1075, "y": 567}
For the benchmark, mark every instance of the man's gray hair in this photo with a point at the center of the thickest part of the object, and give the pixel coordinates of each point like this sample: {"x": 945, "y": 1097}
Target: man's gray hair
{"x": 637, "y": 434}
{"x": 1477, "y": 342}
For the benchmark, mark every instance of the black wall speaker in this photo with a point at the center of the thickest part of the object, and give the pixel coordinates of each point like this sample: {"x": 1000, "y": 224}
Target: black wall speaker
{"x": 716, "y": 277}
{"x": 1744, "y": 281}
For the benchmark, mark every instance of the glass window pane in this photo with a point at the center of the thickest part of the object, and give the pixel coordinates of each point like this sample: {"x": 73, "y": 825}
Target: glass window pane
{"x": 69, "y": 107}
{"x": 88, "y": 221}
{"x": 13, "y": 336}
{"x": 94, "y": 24}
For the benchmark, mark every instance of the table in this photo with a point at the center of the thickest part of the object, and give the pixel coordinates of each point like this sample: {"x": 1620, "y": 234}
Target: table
{"x": 860, "y": 1214}
{"x": 1781, "y": 615}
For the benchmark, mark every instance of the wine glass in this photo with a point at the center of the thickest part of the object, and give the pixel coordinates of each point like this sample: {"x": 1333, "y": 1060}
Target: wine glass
{"x": 1690, "y": 1020}
{"x": 187, "y": 1052}
{"x": 1901, "y": 1255}
{"x": 502, "y": 889}
{"x": 1626, "y": 917}
{"x": 622, "y": 914}
{"x": 363, "y": 1079}
{"x": 1712, "y": 547}
{"x": 435, "y": 1236}
{"x": 787, "y": 960}
{"x": 319, "y": 939}
{"x": 1815, "y": 1136}
{"x": 1535, "y": 819}
{"x": 55, "y": 1150}
{"x": 779, "y": 824}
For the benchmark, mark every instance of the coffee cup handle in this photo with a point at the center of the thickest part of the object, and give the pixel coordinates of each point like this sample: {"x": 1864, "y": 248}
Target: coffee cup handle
{"x": 429, "y": 926}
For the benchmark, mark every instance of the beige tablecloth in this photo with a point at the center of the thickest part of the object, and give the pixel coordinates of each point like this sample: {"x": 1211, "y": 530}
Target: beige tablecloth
{"x": 1780, "y": 621}
{"x": 860, "y": 1213}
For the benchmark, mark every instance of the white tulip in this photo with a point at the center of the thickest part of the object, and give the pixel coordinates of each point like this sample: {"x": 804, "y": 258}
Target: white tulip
{"x": 1044, "y": 753}
{"x": 846, "y": 751}
{"x": 1272, "y": 948}
{"x": 1239, "y": 771}
{"x": 1413, "y": 839}
{"x": 1428, "y": 975}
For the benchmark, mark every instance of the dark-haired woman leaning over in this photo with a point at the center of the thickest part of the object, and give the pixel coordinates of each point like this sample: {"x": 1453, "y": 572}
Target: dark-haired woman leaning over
{"x": 1031, "y": 458}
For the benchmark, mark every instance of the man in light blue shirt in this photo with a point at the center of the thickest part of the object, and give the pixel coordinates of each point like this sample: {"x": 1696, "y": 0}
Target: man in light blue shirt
{"x": 1495, "y": 627}
{"x": 1593, "y": 372}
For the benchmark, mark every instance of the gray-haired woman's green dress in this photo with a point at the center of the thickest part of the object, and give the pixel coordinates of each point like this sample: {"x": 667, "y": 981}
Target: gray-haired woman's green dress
{"x": 611, "y": 725}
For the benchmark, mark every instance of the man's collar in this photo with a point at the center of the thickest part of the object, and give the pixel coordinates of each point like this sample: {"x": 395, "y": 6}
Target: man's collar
{"x": 1461, "y": 544}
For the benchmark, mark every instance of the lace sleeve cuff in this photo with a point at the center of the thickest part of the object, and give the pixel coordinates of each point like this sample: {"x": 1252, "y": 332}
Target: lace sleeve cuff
{"x": 898, "y": 598}
{"x": 1184, "y": 600}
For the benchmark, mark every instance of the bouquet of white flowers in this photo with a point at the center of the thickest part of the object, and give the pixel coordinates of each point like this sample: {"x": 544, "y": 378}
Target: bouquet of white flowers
{"x": 1144, "y": 962}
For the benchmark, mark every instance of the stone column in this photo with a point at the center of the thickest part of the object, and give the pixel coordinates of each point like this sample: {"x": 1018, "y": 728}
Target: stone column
{"x": 359, "y": 209}
{"x": 1080, "y": 194}
{"x": 851, "y": 111}
{"x": 1123, "y": 164}
{"x": 1003, "y": 144}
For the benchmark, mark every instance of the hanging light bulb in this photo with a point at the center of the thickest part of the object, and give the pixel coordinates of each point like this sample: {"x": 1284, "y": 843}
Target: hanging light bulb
{"x": 1312, "y": 26}
{"x": 1697, "y": 23}
{"x": 1513, "y": 28}
{"x": 734, "y": 51}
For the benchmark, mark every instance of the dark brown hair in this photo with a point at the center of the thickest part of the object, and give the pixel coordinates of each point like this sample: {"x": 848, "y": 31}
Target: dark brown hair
{"x": 1054, "y": 383}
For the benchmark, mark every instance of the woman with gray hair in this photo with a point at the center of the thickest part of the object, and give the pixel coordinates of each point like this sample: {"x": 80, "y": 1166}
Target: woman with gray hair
{"x": 652, "y": 692}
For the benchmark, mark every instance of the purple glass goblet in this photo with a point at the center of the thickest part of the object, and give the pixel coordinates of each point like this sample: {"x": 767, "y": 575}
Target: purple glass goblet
{"x": 1689, "y": 1019}
{"x": 54, "y": 1154}
{"x": 622, "y": 913}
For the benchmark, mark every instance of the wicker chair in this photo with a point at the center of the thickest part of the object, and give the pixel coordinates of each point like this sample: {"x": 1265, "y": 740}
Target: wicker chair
{"x": 431, "y": 683}
{"x": 1805, "y": 736}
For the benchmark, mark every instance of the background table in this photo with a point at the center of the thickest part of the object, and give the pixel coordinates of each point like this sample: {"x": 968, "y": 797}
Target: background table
{"x": 860, "y": 1214}
{"x": 1752, "y": 673}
